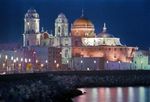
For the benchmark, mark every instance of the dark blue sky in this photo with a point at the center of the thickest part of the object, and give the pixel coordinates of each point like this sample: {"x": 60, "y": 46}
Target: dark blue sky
{"x": 127, "y": 19}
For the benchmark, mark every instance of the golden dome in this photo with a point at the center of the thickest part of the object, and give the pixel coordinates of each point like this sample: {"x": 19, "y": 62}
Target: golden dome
{"x": 82, "y": 22}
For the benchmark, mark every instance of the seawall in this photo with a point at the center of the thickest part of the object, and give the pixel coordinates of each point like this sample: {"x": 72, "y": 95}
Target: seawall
{"x": 87, "y": 78}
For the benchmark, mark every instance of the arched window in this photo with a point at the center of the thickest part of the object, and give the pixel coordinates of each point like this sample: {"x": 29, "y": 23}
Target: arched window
{"x": 27, "y": 42}
{"x": 76, "y": 43}
{"x": 66, "y": 53}
{"x": 59, "y": 29}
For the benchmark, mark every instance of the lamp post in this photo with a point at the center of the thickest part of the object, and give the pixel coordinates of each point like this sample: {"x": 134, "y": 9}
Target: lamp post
{"x": 6, "y": 66}
{"x": 95, "y": 64}
{"x": 26, "y": 61}
{"x": 67, "y": 64}
{"x": 130, "y": 65}
{"x": 46, "y": 61}
{"x": 14, "y": 65}
{"x": 119, "y": 64}
{"x": 42, "y": 65}
{"x": 36, "y": 64}
{"x": 21, "y": 64}
{"x": 81, "y": 64}
{"x": 107, "y": 64}
{"x": 55, "y": 65}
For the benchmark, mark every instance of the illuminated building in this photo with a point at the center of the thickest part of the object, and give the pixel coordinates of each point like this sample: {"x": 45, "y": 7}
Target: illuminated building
{"x": 31, "y": 36}
{"x": 85, "y": 43}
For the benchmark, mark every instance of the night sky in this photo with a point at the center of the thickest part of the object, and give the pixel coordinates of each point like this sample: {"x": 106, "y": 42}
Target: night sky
{"x": 127, "y": 19}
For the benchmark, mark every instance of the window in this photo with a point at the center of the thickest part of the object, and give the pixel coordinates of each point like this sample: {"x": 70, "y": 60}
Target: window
{"x": 58, "y": 29}
{"x": 27, "y": 42}
{"x": 66, "y": 53}
{"x": 76, "y": 43}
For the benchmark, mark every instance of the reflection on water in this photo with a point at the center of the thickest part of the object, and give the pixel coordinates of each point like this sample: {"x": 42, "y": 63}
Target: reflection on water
{"x": 117, "y": 94}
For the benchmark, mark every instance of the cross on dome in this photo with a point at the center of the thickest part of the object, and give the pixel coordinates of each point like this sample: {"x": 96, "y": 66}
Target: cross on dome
{"x": 82, "y": 13}
{"x": 104, "y": 28}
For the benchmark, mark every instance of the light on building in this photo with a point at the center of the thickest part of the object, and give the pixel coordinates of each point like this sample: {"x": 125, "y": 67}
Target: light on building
{"x": 19, "y": 65}
{"x": 0, "y": 55}
{"x": 67, "y": 61}
{"x": 6, "y": 57}
{"x": 3, "y": 65}
{"x": 29, "y": 60}
{"x": 26, "y": 60}
{"x": 17, "y": 59}
{"x": 28, "y": 23}
{"x": 46, "y": 61}
{"x": 36, "y": 61}
{"x": 57, "y": 65}
{"x": 21, "y": 59}
{"x": 14, "y": 61}
{"x": 81, "y": 61}
{"x": 94, "y": 61}
{"x": 42, "y": 65}
{"x": 12, "y": 57}
{"x": 54, "y": 61}
{"x": 119, "y": 62}
{"x": 88, "y": 69}
{"x": 34, "y": 52}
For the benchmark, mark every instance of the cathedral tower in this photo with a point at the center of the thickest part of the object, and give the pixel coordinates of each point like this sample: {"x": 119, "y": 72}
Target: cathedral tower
{"x": 63, "y": 38}
{"x": 31, "y": 36}
{"x": 61, "y": 25}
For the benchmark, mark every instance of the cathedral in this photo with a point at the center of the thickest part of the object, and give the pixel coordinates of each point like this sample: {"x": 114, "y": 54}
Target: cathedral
{"x": 80, "y": 46}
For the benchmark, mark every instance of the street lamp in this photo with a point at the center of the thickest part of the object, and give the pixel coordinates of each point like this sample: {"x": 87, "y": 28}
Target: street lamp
{"x": 119, "y": 64}
{"x": 36, "y": 61}
{"x": 14, "y": 64}
{"x": 46, "y": 61}
{"x": 22, "y": 64}
{"x": 55, "y": 61}
{"x": 95, "y": 64}
{"x": 107, "y": 64}
{"x": 6, "y": 57}
{"x": 29, "y": 60}
{"x": 12, "y": 57}
{"x": 3, "y": 65}
{"x": 57, "y": 65}
{"x": 17, "y": 59}
{"x": 130, "y": 65}
{"x": 81, "y": 64}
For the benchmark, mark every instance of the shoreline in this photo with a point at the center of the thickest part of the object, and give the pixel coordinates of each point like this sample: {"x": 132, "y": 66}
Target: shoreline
{"x": 63, "y": 85}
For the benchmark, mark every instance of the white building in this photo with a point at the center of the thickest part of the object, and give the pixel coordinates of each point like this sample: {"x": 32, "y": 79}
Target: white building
{"x": 31, "y": 36}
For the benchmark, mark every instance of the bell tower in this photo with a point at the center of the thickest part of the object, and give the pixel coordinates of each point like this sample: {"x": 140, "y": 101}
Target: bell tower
{"x": 61, "y": 25}
{"x": 31, "y": 36}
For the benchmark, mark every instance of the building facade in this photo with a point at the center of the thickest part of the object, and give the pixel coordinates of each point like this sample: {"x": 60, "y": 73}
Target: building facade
{"x": 81, "y": 43}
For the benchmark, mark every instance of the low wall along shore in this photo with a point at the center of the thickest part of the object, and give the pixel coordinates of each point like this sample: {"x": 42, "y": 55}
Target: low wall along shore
{"x": 42, "y": 87}
{"x": 87, "y": 78}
